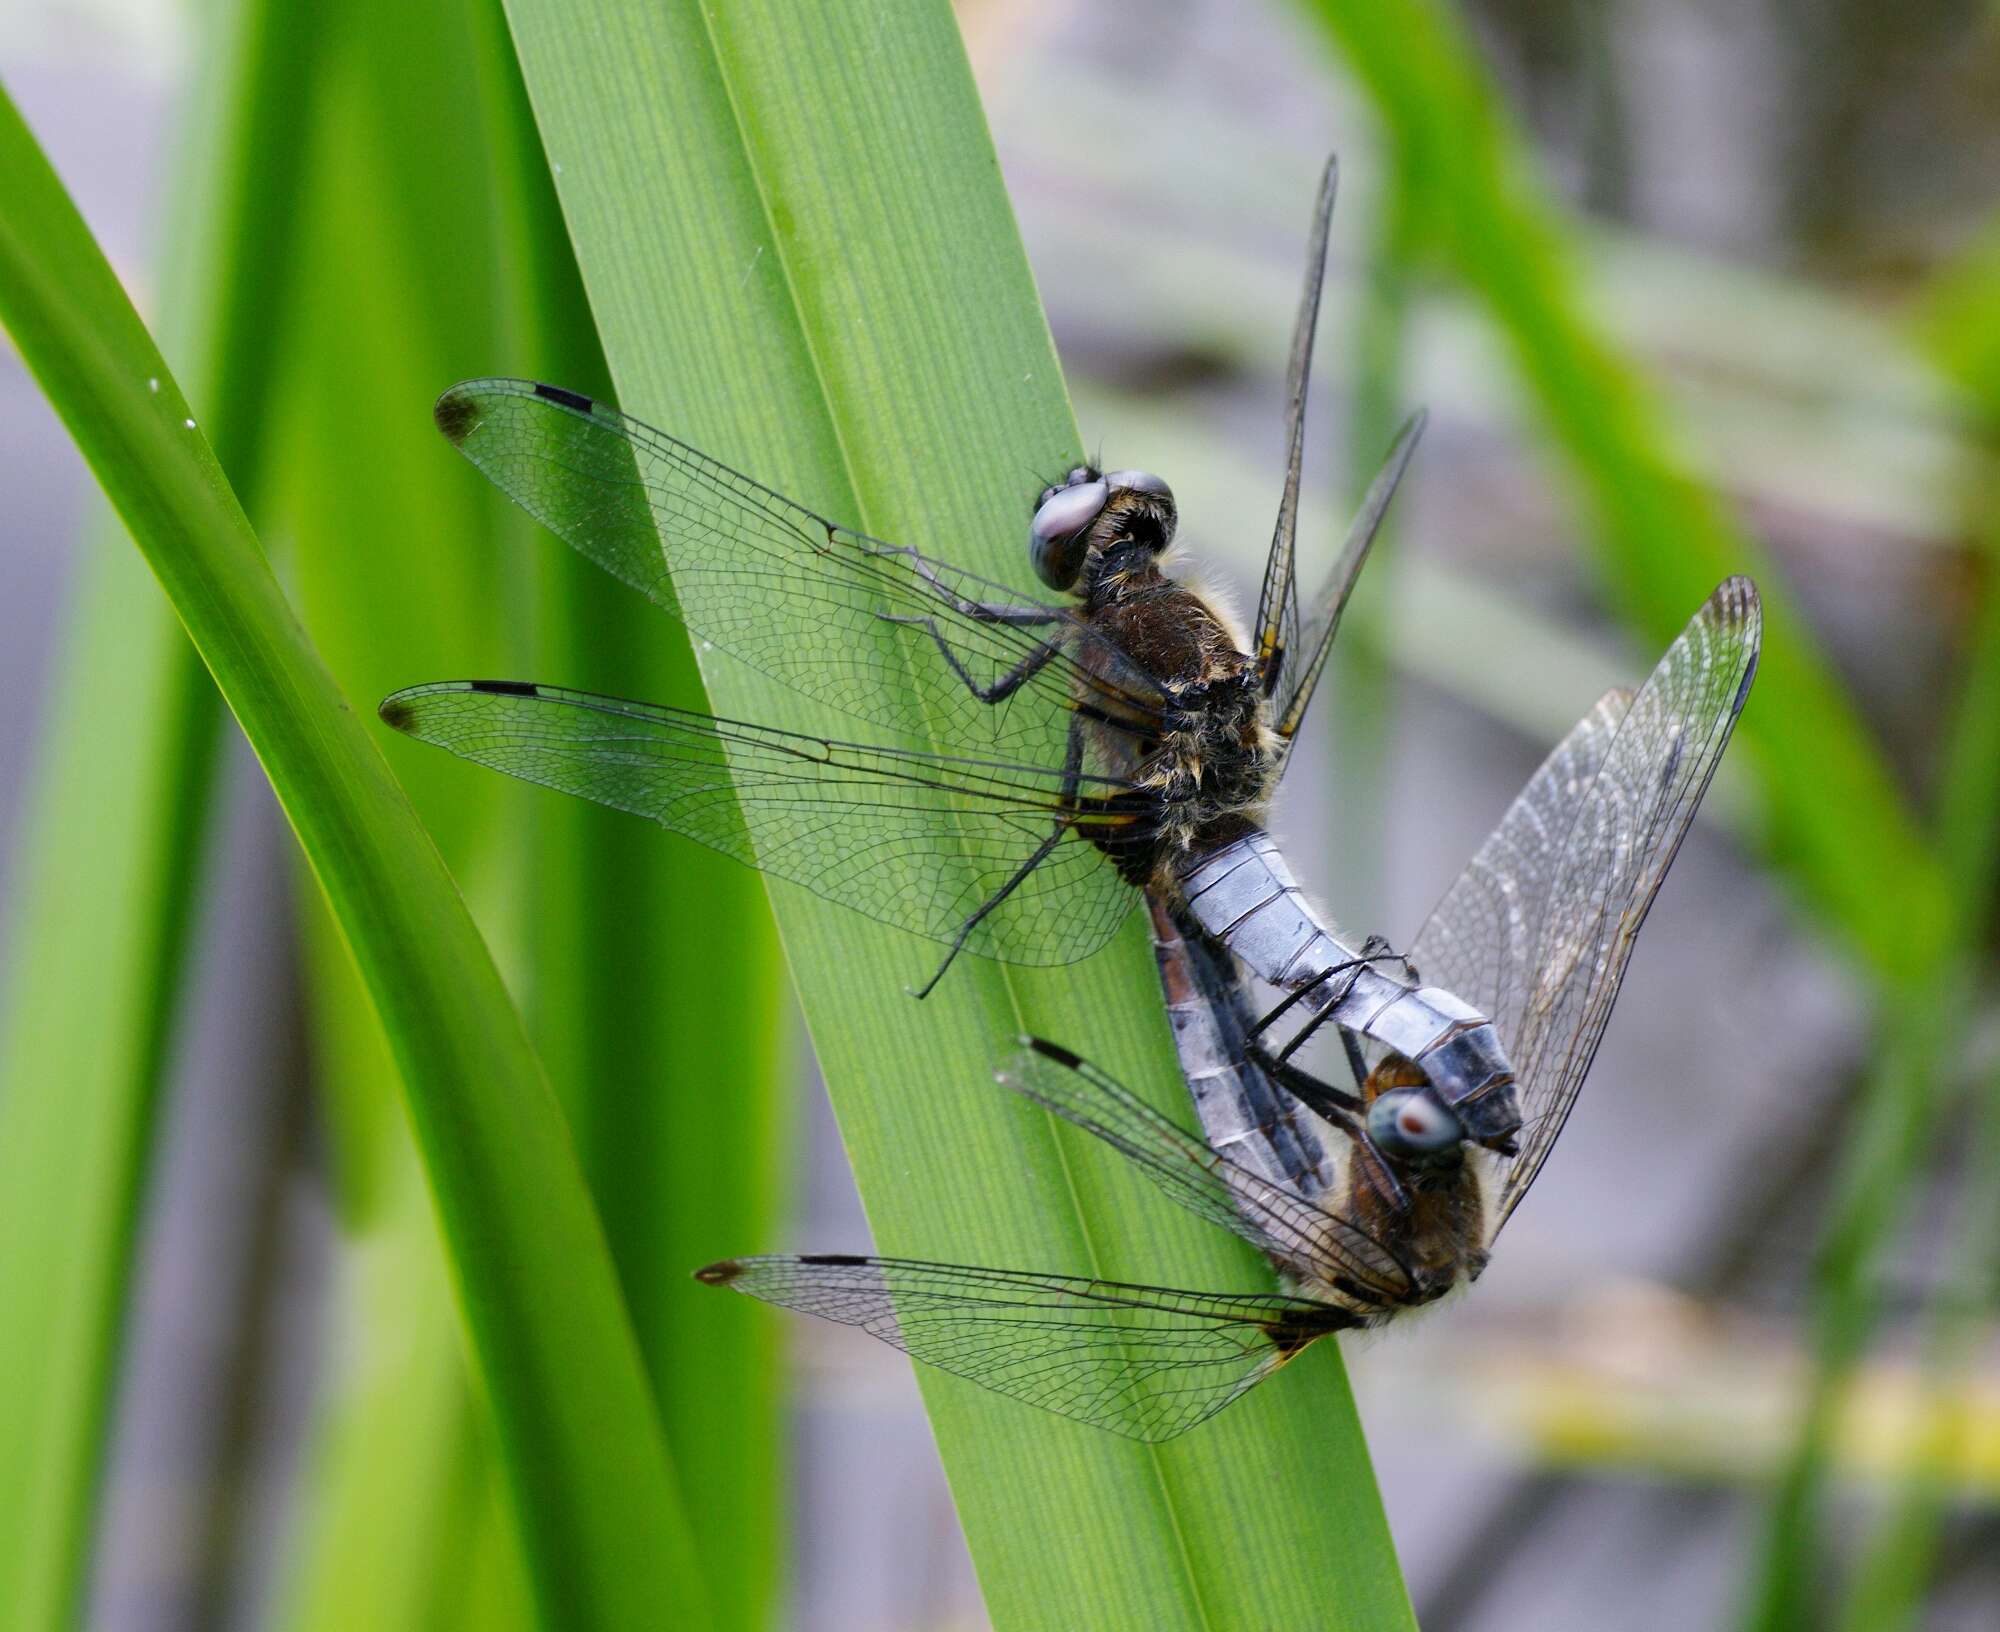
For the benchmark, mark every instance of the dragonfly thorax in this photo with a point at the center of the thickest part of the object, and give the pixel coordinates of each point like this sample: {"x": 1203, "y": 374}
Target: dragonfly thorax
{"x": 1218, "y": 760}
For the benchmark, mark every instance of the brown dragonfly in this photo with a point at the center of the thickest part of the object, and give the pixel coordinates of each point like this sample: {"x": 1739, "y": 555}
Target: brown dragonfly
{"x": 1369, "y": 1202}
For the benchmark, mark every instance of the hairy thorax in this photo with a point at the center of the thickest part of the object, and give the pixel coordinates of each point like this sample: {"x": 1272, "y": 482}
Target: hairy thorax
{"x": 1210, "y": 772}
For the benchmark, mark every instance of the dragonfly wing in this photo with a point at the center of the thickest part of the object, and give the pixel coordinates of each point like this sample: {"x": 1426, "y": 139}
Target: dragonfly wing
{"x": 1278, "y": 605}
{"x": 1301, "y": 676}
{"x": 917, "y": 840}
{"x": 878, "y": 630}
{"x": 1480, "y": 942}
{"x": 1630, "y": 823}
{"x": 1145, "y": 1362}
{"x": 1294, "y": 1232}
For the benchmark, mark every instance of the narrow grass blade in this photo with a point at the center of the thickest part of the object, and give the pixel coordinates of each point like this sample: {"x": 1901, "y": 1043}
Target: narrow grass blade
{"x": 97, "y": 950}
{"x": 581, "y": 1439}
{"x": 660, "y": 1004}
{"x": 429, "y": 171}
{"x": 396, "y": 1482}
{"x": 1836, "y": 819}
{"x": 398, "y": 192}
{"x": 800, "y": 259}
{"x": 1362, "y": 729}
{"x": 1926, "y": 1025}
{"x": 97, "y": 947}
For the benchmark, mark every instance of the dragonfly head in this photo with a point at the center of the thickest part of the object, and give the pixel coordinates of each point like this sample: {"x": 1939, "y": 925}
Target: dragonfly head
{"x": 1089, "y": 519}
{"x": 1413, "y": 1125}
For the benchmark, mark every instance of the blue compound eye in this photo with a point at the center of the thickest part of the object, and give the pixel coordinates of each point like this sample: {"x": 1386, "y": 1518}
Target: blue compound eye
{"x": 1409, "y": 1122}
{"x": 1057, "y": 537}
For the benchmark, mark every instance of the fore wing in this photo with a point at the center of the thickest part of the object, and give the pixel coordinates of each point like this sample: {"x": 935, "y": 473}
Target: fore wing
{"x": 1628, "y": 826}
{"x": 846, "y": 619}
{"x": 1480, "y": 942}
{"x": 917, "y": 840}
{"x": 1300, "y": 674}
{"x": 1278, "y": 605}
{"x": 1145, "y": 1362}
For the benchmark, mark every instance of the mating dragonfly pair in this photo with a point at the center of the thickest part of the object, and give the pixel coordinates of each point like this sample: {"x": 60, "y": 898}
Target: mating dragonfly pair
{"x": 1118, "y": 744}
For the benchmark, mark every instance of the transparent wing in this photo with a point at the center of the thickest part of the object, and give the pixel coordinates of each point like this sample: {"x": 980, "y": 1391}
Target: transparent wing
{"x": 916, "y": 840}
{"x": 1480, "y": 942}
{"x": 1299, "y": 677}
{"x": 1628, "y": 826}
{"x": 1145, "y": 1362}
{"x": 1278, "y": 605}
{"x": 1296, "y": 1235}
{"x": 882, "y": 632}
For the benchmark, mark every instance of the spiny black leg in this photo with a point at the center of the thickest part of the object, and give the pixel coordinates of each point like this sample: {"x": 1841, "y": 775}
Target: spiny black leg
{"x": 1013, "y": 617}
{"x": 1003, "y": 688}
{"x": 965, "y": 929}
{"x": 1335, "y": 1104}
{"x": 1379, "y": 1176}
{"x": 1072, "y": 772}
{"x": 1019, "y": 617}
{"x": 1374, "y": 950}
{"x": 1355, "y": 1062}
{"x": 1072, "y": 778}
{"x": 1377, "y": 949}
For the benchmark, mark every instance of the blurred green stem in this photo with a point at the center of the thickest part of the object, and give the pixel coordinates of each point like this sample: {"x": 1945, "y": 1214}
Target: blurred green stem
{"x": 1887, "y": 1590}
{"x": 600, "y": 1511}
{"x": 1359, "y": 712}
{"x": 1924, "y": 1027}
{"x": 1836, "y": 818}
{"x": 114, "y": 854}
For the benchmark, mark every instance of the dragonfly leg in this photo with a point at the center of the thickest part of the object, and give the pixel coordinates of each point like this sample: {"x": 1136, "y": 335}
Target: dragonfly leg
{"x": 1374, "y": 950}
{"x": 1377, "y": 948}
{"x": 1071, "y": 779}
{"x": 1019, "y": 617}
{"x": 1335, "y": 1104}
{"x": 1001, "y": 689}
{"x": 965, "y": 929}
{"x": 1355, "y": 1062}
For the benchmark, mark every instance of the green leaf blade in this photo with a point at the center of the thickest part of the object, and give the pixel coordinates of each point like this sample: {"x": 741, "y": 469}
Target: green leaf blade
{"x": 790, "y": 225}
{"x": 581, "y": 1438}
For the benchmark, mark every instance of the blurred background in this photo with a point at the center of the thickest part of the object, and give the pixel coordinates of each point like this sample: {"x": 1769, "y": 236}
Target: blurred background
{"x": 1738, "y": 1354}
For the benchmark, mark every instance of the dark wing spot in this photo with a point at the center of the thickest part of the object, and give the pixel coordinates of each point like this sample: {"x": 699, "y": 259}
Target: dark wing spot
{"x": 457, "y": 415}
{"x": 505, "y": 688}
{"x": 1054, "y": 1051}
{"x": 395, "y": 712}
{"x": 719, "y": 1274}
{"x": 835, "y": 1258}
{"x": 567, "y": 399}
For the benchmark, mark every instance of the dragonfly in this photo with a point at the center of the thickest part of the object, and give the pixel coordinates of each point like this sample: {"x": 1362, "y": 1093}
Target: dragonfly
{"x": 1367, "y": 1203}
{"x": 1041, "y": 757}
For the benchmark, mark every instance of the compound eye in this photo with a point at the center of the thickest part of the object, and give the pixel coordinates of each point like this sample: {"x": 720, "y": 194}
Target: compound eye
{"x": 1056, "y": 539}
{"x": 1409, "y": 1122}
{"x": 1140, "y": 481}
